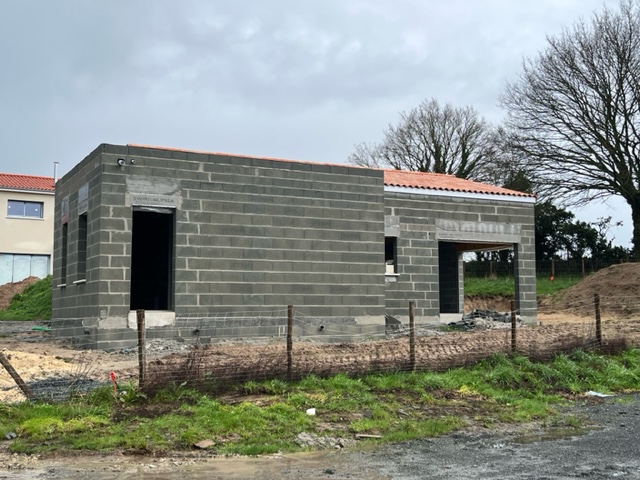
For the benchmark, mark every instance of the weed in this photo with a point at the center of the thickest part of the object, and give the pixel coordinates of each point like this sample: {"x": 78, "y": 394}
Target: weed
{"x": 129, "y": 393}
{"x": 572, "y": 421}
{"x": 251, "y": 387}
{"x": 275, "y": 387}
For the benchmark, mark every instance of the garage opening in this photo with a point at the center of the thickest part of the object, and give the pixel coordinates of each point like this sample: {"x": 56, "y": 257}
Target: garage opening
{"x": 152, "y": 259}
{"x": 451, "y": 271}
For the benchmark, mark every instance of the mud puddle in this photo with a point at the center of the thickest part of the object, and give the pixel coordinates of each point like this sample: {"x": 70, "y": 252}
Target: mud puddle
{"x": 308, "y": 466}
{"x": 551, "y": 434}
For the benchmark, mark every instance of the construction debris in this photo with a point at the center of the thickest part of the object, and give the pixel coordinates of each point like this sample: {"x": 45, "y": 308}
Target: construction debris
{"x": 483, "y": 320}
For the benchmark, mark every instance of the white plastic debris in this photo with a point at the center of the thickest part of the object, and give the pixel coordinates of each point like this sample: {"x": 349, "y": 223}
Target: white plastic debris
{"x": 311, "y": 411}
{"x": 591, "y": 393}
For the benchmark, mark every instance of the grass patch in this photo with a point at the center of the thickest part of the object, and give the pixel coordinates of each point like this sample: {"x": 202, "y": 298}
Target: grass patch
{"x": 505, "y": 286}
{"x": 395, "y": 406}
{"x": 546, "y": 286}
{"x": 34, "y": 303}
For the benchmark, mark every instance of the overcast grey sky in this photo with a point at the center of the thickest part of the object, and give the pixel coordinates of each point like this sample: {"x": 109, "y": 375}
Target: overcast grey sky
{"x": 296, "y": 79}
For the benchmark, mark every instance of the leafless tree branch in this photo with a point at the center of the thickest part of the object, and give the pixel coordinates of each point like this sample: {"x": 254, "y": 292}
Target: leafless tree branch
{"x": 432, "y": 138}
{"x": 574, "y": 112}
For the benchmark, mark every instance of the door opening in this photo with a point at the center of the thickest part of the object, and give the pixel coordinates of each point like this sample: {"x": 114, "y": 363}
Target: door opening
{"x": 449, "y": 278}
{"x": 152, "y": 259}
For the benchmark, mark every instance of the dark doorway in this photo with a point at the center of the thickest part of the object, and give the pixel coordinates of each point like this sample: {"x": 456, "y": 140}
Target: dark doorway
{"x": 152, "y": 259}
{"x": 449, "y": 279}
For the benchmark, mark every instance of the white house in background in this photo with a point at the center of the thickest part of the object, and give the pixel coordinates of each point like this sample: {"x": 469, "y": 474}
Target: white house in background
{"x": 26, "y": 226}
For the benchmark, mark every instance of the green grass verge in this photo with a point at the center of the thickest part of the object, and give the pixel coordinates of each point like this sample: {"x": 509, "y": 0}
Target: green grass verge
{"x": 265, "y": 417}
{"x": 32, "y": 304}
{"x": 505, "y": 286}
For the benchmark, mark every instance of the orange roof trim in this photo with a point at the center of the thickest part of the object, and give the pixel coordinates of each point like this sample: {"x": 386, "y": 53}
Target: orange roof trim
{"x": 449, "y": 183}
{"x": 26, "y": 182}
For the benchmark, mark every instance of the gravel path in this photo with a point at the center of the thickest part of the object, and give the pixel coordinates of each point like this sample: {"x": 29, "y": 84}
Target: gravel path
{"x": 609, "y": 451}
{"x": 10, "y": 327}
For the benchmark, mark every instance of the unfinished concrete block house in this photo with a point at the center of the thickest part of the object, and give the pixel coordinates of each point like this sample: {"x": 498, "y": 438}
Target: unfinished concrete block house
{"x": 205, "y": 241}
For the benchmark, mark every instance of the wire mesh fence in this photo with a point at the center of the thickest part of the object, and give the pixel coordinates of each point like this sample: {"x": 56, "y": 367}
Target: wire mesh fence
{"x": 226, "y": 351}
{"x": 572, "y": 267}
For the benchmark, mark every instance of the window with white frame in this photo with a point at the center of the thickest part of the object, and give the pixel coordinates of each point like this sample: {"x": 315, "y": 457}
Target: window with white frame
{"x": 24, "y": 209}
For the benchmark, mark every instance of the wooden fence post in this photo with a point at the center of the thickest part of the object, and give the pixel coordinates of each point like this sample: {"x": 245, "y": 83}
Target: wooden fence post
{"x": 290, "y": 342}
{"x": 142, "y": 348}
{"x": 596, "y": 304}
{"x": 16, "y": 378}
{"x": 513, "y": 326}
{"x": 412, "y": 336}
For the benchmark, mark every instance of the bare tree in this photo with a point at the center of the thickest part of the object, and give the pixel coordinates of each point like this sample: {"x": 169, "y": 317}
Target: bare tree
{"x": 575, "y": 111}
{"x": 431, "y": 138}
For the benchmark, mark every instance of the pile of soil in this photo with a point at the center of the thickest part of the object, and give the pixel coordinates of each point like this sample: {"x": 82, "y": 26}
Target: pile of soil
{"x": 618, "y": 287}
{"x": 8, "y": 290}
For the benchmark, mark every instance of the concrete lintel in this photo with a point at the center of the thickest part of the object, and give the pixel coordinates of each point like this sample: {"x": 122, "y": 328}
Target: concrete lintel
{"x": 458, "y": 230}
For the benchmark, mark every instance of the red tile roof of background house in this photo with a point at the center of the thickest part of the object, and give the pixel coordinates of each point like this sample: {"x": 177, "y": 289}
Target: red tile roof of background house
{"x": 26, "y": 182}
{"x": 449, "y": 183}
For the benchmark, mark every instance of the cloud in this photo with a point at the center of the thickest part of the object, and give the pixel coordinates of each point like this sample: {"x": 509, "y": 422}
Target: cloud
{"x": 303, "y": 79}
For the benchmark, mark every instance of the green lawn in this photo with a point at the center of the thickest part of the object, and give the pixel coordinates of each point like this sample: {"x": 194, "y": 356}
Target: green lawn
{"x": 506, "y": 285}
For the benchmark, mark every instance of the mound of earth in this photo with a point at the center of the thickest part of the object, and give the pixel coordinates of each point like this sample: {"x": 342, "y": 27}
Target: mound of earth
{"x": 8, "y": 290}
{"x": 618, "y": 287}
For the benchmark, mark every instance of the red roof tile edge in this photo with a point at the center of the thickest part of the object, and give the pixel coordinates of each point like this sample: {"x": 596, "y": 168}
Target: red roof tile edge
{"x": 26, "y": 182}
{"x": 442, "y": 182}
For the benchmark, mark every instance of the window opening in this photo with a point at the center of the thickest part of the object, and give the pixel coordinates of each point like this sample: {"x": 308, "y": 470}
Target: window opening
{"x": 82, "y": 246}
{"x": 391, "y": 254}
{"x": 65, "y": 238}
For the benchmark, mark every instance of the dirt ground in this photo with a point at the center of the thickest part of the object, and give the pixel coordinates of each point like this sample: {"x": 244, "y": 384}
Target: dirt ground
{"x": 564, "y": 319}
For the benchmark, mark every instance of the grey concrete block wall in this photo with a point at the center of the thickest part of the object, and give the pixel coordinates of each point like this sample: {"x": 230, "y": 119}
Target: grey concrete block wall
{"x": 250, "y": 233}
{"x": 76, "y": 297}
{"x": 425, "y": 220}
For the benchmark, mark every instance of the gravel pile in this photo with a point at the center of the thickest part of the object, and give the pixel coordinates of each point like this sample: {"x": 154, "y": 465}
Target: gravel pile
{"x": 156, "y": 346}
